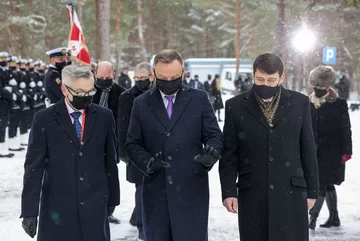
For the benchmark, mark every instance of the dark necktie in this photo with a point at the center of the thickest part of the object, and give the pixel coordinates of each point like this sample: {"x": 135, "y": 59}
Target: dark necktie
{"x": 77, "y": 125}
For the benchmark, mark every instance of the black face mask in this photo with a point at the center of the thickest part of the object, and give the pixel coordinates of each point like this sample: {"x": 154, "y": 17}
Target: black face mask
{"x": 103, "y": 83}
{"x": 69, "y": 63}
{"x": 81, "y": 103}
{"x": 3, "y": 63}
{"x": 143, "y": 85}
{"x": 23, "y": 69}
{"x": 60, "y": 65}
{"x": 41, "y": 71}
{"x": 266, "y": 92}
{"x": 31, "y": 69}
{"x": 320, "y": 93}
{"x": 169, "y": 87}
{"x": 12, "y": 68}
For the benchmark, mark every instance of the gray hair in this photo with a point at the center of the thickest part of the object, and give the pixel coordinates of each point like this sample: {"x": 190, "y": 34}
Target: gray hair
{"x": 143, "y": 67}
{"x": 73, "y": 72}
{"x": 324, "y": 76}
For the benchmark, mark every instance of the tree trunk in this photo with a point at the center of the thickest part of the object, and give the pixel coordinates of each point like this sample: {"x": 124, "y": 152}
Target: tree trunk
{"x": 80, "y": 10}
{"x": 238, "y": 8}
{"x": 97, "y": 38}
{"x": 117, "y": 36}
{"x": 281, "y": 32}
{"x": 150, "y": 45}
{"x": 143, "y": 52}
{"x": 103, "y": 29}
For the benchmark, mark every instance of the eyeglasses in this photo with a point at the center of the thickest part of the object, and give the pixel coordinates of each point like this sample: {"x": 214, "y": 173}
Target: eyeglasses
{"x": 92, "y": 92}
{"x": 141, "y": 78}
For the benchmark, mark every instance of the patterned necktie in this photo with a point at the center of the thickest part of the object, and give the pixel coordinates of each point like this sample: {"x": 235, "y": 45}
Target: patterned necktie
{"x": 170, "y": 105}
{"x": 77, "y": 125}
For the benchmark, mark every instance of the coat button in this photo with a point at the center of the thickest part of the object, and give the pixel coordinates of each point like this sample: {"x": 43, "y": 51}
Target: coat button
{"x": 80, "y": 153}
{"x": 271, "y": 159}
{"x": 271, "y": 125}
{"x": 168, "y": 134}
{"x": 271, "y": 131}
{"x": 82, "y": 203}
{"x": 82, "y": 143}
{"x": 81, "y": 179}
{"x": 271, "y": 186}
{"x": 169, "y": 158}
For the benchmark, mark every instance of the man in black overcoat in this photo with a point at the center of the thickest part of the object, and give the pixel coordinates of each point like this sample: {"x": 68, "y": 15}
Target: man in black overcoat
{"x": 71, "y": 166}
{"x": 268, "y": 172}
{"x": 144, "y": 80}
{"x": 174, "y": 139}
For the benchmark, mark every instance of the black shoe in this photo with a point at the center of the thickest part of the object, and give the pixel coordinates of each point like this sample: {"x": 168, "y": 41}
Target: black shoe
{"x": 17, "y": 149}
{"x": 10, "y": 155}
{"x": 114, "y": 220}
{"x": 333, "y": 221}
{"x": 312, "y": 224}
{"x": 331, "y": 201}
{"x": 141, "y": 235}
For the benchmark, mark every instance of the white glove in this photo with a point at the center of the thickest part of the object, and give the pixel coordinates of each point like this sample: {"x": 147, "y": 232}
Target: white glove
{"x": 32, "y": 84}
{"x": 12, "y": 82}
{"x": 21, "y": 91}
{"x": 39, "y": 84}
{"x": 8, "y": 88}
{"x": 22, "y": 85}
{"x": 14, "y": 97}
{"x": 35, "y": 97}
{"x": 24, "y": 98}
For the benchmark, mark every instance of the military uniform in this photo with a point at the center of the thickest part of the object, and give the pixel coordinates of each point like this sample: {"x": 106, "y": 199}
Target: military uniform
{"x": 52, "y": 80}
{"x": 5, "y": 103}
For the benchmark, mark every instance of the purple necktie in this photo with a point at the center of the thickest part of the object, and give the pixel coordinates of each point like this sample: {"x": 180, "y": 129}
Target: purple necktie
{"x": 170, "y": 105}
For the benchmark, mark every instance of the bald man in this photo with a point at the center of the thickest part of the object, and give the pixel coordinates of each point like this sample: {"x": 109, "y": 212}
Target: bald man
{"x": 107, "y": 96}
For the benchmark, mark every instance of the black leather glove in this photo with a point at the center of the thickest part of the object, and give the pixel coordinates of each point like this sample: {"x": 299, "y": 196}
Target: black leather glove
{"x": 111, "y": 210}
{"x": 208, "y": 156}
{"x": 156, "y": 163}
{"x": 29, "y": 225}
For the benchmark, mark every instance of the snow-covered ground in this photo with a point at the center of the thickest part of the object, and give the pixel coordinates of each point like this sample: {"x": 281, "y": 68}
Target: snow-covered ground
{"x": 222, "y": 225}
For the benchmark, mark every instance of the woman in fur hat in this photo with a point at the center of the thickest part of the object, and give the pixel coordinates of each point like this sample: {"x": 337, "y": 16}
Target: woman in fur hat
{"x": 332, "y": 131}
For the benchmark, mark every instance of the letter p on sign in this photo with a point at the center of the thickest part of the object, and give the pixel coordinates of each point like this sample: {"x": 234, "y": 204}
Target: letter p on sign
{"x": 329, "y": 55}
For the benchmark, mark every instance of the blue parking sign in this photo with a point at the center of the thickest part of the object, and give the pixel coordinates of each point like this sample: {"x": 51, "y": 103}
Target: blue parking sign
{"x": 329, "y": 55}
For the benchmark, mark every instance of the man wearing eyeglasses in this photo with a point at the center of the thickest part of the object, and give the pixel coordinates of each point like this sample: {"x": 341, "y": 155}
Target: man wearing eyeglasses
{"x": 144, "y": 80}
{"x": 71, "y": 160}
{"x": 59, "y": 58}
{"x": 107, "y": 95}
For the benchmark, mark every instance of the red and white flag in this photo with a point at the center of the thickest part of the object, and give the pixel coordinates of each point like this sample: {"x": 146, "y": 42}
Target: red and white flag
{"x": 77, "y": 43}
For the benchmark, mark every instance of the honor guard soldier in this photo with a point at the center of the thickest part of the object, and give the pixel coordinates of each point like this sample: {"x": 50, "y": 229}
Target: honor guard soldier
{"x": 59, "y": 58}
{"x": 5, "y": 103}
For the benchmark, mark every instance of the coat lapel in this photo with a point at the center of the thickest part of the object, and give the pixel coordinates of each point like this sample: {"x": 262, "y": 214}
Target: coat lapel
{"x": 253, "y": 107}
{"x": 156, "y": 104}
{"x": 63, "y": 118}
{"x": 90, "y": 121}
{"x": 286, "y": 102}
{"x": 182, "y": 100}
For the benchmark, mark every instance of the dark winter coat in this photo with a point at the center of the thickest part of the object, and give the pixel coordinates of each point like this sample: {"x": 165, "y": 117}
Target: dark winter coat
{"x": 176, "y": 200}
{"x": 5, "y": 98}
{"x": 191, "y": 83}
{"x": 271, "y": 170}
{"x": 80, "y": 179}
{"x": 52, "y": 84}
{"x": 126, "y": 101}
{"x": 113, "y": 100}
{"x": 124, "y": 81}
{"x": 218, "y": 102}
{"x": 332, "y": 131}
{"x": 343, "y": 88}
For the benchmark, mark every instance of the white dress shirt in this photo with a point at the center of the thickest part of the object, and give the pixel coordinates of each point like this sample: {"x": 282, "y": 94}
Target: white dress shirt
{"x": 166, "y": 102}
{"x": 71, "y": 110}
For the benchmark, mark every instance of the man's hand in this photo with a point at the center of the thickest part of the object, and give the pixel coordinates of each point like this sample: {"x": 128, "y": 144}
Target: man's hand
{"x": 156, "y": 163}
{"x": 29, "y": 225}
{"x": 208, "y": 156}
{"x": 311, "y": 203}
{"x": 231, "y": 204}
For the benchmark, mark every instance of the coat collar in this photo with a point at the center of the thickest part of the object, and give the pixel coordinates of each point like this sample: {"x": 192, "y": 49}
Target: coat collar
{"x": 63, "y": 118}
{"x": 253, "y": 107}
{"x": 156, "y": 104}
